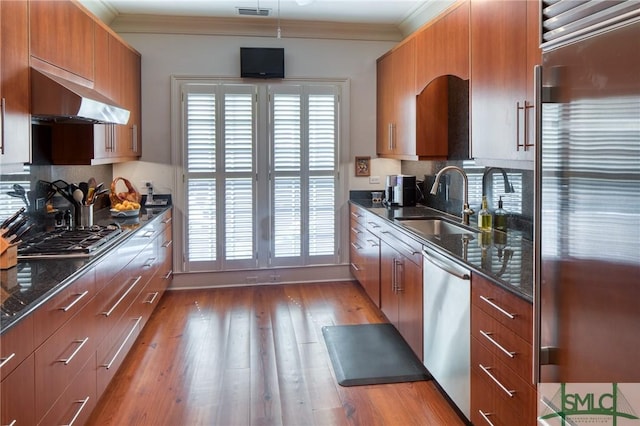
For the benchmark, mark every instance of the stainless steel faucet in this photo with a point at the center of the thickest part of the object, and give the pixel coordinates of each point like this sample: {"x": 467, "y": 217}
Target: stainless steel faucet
{"x": 466, "y": 210}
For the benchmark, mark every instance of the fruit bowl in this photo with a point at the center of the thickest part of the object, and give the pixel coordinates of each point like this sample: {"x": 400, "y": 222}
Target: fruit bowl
{"x": 124, "y": 213}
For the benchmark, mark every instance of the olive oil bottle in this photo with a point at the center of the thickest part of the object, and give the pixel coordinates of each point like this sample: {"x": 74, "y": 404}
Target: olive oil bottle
{"x": 484, "y": 216}
{"x": 500, "y": 217}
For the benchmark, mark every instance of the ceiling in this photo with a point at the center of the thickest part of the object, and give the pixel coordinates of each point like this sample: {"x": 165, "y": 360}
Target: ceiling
{"x": 392, "y": 12}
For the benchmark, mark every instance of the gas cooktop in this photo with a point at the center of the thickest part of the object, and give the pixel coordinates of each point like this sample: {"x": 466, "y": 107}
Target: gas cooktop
{"x": 68, "y": 243}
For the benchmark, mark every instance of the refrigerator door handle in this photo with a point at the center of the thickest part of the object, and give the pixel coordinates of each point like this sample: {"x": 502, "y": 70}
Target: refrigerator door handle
{"x": 537, "y": 72}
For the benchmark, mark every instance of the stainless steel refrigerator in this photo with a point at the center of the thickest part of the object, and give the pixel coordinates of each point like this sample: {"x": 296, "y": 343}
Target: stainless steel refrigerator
{"x": 587, "y": 196}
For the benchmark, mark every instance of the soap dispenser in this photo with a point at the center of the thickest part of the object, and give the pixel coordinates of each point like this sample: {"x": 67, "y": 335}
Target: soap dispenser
{"x": 484, "y": 216}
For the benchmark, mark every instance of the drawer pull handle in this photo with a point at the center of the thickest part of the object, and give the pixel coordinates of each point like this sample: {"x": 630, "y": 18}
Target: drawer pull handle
{"x": 149, "y": 263}
{"x": 485, "y": 416}
{"x": 82, "y": 343}
{"x": 497, "y": 382}
{"x": 168, "y": 275}
{"x": 354, "y": 266}
{"x": 356, "y": 215}
{"x": 13, "y": 422}
{"x": 115, "y": 305}
{"x": 372, "y": 243}
{"x": 153, "y": 298}
{"x": 356, "y": 246}
{"x": 148, "y": 234}
{"x": 167, "y": 220}
{"x": 167, "y": 244}
{"x": 77, "y": 299}
{"x": 356, "y": 231}
{"x": 4, "y": 361}
{"x": 498, "y": 308}
{"x": 123, "y": 344}
{"x": 487, "y": 336}
{"x": 83, "y": 403}
{"x": 374, "y": 225}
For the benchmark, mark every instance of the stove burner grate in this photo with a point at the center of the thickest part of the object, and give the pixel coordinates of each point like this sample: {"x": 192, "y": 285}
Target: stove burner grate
{"x": 68, "y": 243}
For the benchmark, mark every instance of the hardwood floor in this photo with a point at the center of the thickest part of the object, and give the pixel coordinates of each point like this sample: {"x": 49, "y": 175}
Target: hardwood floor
{"x": 256, "y": 356}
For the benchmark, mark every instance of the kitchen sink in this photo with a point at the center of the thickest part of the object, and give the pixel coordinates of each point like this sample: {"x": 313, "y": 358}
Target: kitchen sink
{"x": 436, "y": 226}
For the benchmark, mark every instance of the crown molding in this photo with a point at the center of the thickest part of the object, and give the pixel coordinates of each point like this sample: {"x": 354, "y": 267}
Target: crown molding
{"x": 252, "y": 27}
{"x": 426, "y": 13}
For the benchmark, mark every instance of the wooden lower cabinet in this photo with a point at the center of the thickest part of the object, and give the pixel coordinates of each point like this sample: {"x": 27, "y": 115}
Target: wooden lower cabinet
{"x": 502, "y": 392}
{"x": 57, "y": 362}
{"x": 17, "y": 395}
{"x": 401, "y": 294}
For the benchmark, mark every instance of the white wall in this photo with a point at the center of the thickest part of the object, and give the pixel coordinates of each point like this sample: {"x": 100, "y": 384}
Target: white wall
{"x": 164, "y": 55}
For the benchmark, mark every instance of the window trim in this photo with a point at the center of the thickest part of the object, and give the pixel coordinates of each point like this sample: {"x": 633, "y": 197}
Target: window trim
{"x": 179, "y": 198}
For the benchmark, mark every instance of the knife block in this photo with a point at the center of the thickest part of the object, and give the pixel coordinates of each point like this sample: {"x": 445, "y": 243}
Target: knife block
{"x": 9, "y": 256}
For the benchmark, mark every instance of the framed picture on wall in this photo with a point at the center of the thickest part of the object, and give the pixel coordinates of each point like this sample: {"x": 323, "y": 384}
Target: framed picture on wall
{"x": 362, "y": 166}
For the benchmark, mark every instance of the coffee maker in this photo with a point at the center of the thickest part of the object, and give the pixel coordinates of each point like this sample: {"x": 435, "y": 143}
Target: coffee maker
{"x": 404, "y": 192}
{"x": 389, "y": 189}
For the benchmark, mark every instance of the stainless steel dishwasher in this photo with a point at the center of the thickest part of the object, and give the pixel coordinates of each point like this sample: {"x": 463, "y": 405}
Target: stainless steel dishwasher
{"x": 447, "y": 298}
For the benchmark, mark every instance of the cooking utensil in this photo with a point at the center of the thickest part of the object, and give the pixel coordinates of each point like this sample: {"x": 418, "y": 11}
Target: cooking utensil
{"x": 11, "y": 218}
{"x": 84, "y": 187}
{"x": 78, "y": 195}
{"x": 91, "y": 182}
{"x": 23, "y": 232}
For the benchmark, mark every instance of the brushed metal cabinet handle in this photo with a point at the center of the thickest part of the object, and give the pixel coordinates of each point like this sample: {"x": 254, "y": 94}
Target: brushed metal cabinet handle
{"x": 83, "y": 403}
{"x": 76, "y": 300}
{"x": 498, "y": 308}
{"x": 123, "y": 344}
{"x": 485, "y": 416}
{"x": 115, "y": 305}
{"x": 4, "y": 361}
{"x": 74, "y": 353}
{"x": 487, "y": 336}
{"x": 497, "y": 382}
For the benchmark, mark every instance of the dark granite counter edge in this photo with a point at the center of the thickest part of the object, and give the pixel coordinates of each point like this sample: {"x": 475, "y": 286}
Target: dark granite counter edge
{"x": 102, "y": 217}
{"x": 366, "y": 204}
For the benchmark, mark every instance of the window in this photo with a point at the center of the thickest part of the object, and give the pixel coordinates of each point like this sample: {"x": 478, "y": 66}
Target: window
{"x": 261, "y": 172}
{"x": 9, "y": 205}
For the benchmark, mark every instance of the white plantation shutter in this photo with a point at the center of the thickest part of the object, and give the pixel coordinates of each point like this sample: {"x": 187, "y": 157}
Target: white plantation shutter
{"x": 294, "y": 147}
{"x": 304, "y": 158}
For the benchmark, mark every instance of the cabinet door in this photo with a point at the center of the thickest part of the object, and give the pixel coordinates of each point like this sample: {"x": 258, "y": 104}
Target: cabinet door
{"x": 442, "y": 48}
{"x": 15, "y": 121}
{"x": 500, "y": 110}
{"x": 384, "y": 106}
{"x": 404, "y": 59}
{"x": 410, "y": 321}
{"x": 17, "y": 396}
{"x": 389, "y": 259}
{"x": 62, "y": 36}
{"x": 371, "y": 282}
{"x": 396, "y": 103}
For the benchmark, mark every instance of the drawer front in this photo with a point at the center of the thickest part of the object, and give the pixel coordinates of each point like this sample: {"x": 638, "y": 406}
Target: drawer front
{"x": 63, "y": 306}
{"x": 114, "y": 348}
{"x": 15, "y": 345}
{"x": 488, "y": 409}
{"x": 77, "y": 402}
{"x": 356, "y": 229}
{"x": 510, "y": 310}
{"x": 407, "y": 246}
{"x": 510, "y": 390}
{"x": 59, "y": 359}
{"x": 358, "y": 214}
{"x": 17, "y": 395}
{"x": 357, "y": 257}
{"x": 508, "y": 347}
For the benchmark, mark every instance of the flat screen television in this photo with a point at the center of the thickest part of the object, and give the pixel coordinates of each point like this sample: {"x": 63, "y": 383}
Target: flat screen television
{"x": 262, "y": 62}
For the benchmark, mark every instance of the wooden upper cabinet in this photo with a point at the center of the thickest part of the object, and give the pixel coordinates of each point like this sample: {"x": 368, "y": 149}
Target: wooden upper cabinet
{"x": 442, "y": 48}
{"x": 396, "y": 132}
{"x": 15, "y": 121}
{"x": 503, "y": 53}
{"x": 62, "y": 36}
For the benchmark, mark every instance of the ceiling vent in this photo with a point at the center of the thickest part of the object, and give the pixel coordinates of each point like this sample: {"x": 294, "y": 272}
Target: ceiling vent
{"x": 252, "y": 11}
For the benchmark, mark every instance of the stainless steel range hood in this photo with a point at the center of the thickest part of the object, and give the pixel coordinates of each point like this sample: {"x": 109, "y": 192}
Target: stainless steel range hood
{"x": 56, "y": 99}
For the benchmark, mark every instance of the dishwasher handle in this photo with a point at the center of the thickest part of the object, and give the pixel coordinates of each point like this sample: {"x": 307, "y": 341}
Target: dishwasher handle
{"x": 445, "y": 267}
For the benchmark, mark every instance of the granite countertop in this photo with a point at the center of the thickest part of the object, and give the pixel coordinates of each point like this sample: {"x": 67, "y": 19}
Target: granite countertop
{"x": 505, "y": 260}
{"x": 31, "y": 283}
